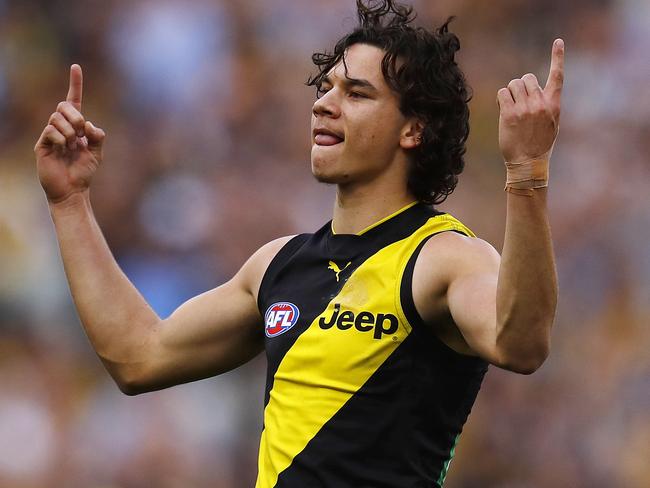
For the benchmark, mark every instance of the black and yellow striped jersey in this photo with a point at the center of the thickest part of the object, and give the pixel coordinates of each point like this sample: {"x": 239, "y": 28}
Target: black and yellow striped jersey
{"x": 360, "y": 392}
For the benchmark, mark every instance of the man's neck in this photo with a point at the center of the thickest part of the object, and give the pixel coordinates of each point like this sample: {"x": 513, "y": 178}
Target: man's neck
{"x": 356, "y": 210}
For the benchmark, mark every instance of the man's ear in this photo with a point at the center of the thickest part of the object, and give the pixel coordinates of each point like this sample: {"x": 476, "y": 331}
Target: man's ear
{"x": 411, "y": 135}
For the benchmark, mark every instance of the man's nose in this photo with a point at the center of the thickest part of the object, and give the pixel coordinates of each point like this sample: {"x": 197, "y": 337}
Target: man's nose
{"x": 326, "y": 106}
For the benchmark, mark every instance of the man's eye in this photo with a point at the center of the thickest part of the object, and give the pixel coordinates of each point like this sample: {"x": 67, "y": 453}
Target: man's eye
{"x": 355, "y": 94}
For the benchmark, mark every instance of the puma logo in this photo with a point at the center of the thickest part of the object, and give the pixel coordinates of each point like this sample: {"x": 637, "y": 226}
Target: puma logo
{"x": 335, "y": 267}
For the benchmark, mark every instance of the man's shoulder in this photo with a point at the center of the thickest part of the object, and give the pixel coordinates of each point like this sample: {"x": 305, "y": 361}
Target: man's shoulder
{"x": 458, "y": 243}
{"x": 271, "y": 248}
{"x": 261, "y": 258}
{"x": 446, "y": 258}
{"x": 452, "y": 253}
{"x": 253, "y": 270}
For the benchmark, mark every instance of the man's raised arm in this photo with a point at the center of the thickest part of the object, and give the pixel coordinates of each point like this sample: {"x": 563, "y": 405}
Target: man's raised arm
{"x": 504, "y": 307}
{"x": 208, "y": 335}
{"x": 526, "y": 289}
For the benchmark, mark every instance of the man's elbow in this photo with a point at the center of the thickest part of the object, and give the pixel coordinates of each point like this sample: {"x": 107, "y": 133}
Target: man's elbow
{"x": 524, "y": 353}
{"x": 138, "y": 379}
{"x": 527, "y": 361}
{"x": 129, "y": 379}
{"x": 130, "y": 388}
{"x": 525, "y": 367}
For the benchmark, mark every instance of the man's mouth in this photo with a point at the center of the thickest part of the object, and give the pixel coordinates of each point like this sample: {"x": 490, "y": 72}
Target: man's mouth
{"x": 325, "y": 137}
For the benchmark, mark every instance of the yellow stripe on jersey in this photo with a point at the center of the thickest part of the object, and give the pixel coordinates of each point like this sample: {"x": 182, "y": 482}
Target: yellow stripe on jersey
{"x": 325, "y": 367}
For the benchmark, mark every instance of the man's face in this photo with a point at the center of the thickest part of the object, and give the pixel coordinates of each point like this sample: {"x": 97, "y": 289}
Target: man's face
{"x": 356, "y": 123}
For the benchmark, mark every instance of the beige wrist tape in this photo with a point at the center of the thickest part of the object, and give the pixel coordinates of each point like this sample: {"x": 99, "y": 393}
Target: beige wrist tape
{"x": 523, "y": 177}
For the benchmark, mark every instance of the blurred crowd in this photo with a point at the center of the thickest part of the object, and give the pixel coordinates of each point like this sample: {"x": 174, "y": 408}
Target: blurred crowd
{"x": 207, "y": 158}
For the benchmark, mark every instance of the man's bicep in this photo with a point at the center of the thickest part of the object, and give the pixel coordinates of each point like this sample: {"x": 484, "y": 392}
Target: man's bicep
{"x": 214, "y": 332}
{"x": 472, "y": 294}
{"x": 472, "y": 305}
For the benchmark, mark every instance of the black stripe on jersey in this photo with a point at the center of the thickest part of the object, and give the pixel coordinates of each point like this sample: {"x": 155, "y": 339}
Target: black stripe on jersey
{"x": 303, "y": 256}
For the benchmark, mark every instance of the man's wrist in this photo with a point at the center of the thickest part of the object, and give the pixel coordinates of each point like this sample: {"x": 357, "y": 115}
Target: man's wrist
{"x": 525, "y": 176}
{"x": 71, "y": 203}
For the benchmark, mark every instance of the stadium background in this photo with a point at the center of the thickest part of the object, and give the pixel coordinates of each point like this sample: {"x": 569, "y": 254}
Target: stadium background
{"x": 207, "y": 159}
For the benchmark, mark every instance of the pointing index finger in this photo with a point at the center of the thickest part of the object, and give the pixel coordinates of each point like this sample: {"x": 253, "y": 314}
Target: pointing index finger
{"x": 556, "y": 74}
{"x": 75, "y": 90}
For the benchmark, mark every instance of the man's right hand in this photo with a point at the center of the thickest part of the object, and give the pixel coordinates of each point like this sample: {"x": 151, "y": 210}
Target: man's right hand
{"x": 69, "y": 149}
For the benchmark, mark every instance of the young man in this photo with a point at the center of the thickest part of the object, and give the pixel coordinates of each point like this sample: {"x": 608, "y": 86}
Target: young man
{"x": 379, "y": 327}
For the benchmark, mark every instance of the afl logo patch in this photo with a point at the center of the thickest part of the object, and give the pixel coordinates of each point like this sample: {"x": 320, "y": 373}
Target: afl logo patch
{"x": 279, "y": 318}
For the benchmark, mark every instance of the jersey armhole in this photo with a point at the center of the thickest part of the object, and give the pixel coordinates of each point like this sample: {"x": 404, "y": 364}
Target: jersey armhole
{"x": 280, "y": 258}
{"x": 415, "y": 320}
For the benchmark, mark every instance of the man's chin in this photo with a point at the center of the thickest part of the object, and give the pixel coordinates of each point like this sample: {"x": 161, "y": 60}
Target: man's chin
{"x": 326, "y": 168}
{"x": 330, "y": 179}
{"x": 321, "y": 168}
{"x": 326, "y": 173}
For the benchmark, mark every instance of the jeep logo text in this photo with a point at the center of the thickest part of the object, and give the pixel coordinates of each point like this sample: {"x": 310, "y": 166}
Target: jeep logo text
{"x": 381, "y": 324}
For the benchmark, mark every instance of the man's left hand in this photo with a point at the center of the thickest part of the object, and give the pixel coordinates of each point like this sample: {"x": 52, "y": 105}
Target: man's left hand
{"x": 529, "y": 117}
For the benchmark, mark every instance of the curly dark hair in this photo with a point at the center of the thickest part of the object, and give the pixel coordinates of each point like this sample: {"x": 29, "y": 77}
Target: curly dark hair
{"x": 419, "y": 66}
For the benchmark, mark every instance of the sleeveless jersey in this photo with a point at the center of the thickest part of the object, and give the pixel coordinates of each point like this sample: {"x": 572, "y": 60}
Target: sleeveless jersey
{"x": 360, "y": 393}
